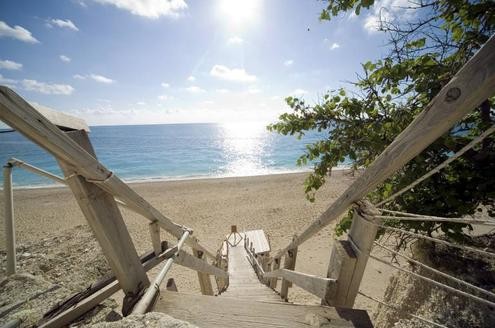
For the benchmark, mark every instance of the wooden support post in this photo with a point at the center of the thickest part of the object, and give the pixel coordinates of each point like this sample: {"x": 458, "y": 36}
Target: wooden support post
{"x": 104, "y": 218}
{"x": 348, "y": 259}
{"x": 155, "y": 237}
{"x": 9, "y": 219}
{"x": 340, "y": 267}
{"x": 290, "y": 264}
{"x": 275, "y": 266}
{"x": 204, "y": 279}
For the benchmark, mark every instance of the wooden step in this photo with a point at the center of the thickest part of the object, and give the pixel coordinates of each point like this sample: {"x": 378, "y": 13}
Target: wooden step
{"x": 212, "y": 311}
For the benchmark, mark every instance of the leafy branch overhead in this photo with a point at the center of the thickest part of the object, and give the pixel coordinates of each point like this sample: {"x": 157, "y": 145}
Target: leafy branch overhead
{"x": 426, "y": 48}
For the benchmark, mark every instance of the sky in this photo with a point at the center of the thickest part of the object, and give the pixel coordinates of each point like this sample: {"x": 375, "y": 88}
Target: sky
{"x": 180, "y": 61}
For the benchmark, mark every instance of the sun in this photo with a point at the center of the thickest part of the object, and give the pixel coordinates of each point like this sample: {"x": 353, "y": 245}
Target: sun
{"x": 239, "y": 12}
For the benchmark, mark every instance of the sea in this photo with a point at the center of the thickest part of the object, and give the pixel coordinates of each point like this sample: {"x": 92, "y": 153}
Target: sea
{"x": 172, "y": 152}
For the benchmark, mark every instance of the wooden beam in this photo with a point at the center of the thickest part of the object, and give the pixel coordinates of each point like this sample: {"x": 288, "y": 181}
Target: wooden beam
{"x": 341, "y": 267}
{"x": 204, "y": 278}
{"x": 155, "y": 237}
{"x": 9, "y": 219}
{"x": 21, "y": 116}
{"x": 473, "y": 84}
{"x": 275, "y": 266}
{"x": 315, "y": 285}
{"x": 361, "y": 235}
{"x": 63, "y": 121}
{"x": 290, "y": 264}
{"x": 196, "y": 264}
{"x": 104, "y": 218}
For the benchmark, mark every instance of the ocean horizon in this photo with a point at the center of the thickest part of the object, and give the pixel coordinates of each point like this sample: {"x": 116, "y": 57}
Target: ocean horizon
{"x": 158, "y": 152}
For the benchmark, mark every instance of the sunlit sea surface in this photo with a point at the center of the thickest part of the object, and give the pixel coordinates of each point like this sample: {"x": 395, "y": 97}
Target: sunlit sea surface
{"x": 172, "y": 151}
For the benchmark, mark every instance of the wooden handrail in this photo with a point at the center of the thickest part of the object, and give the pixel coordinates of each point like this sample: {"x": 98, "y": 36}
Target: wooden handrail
{"x": 472, "y": 84}
{"x": 21, "y": 116}
{"x": 315, "y": 285}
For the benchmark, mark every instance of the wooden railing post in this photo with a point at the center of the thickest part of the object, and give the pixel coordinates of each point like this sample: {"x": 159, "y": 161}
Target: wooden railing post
{"x": 348, "y": 258}
{"x": 155, "y": 237}
{"x": 104, "y": 218}
{"x": 9, "y": 219}
{"x": 275, "y": 266}
{"x": 290, "y": 264}
{"x": 204, "y": 278}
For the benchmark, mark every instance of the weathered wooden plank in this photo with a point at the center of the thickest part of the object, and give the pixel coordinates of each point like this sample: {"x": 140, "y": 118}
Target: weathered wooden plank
{"x": 275, "y": 266}
{"x": 104, "y": 218}
{"x": 361, "y": 235}
{"x": 473, "y": 84}
{"x": 290, "y": 264}
{"x": 63, "y": 121}
{"x": 9, "y": 219}
{"x": 341, "y": 267}
{"x": 199, "y": 265}
{"x": 155, "y": 237}
{"x": 20, "y": 115}
{"x": 204, "y": 278}
{"x": 206, "y": 311}
{"x": 315, "y": 285}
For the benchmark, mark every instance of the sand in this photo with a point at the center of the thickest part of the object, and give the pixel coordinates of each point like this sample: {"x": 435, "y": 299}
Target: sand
{"x": 274, "y": 203}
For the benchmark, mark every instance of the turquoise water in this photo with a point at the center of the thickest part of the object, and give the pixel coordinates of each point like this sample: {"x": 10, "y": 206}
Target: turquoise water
{"x": 171, "y": 151}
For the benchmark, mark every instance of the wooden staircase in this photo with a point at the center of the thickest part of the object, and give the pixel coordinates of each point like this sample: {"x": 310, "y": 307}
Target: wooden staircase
{"x": 243, "y": 282}
{"x": 249, "y": 303}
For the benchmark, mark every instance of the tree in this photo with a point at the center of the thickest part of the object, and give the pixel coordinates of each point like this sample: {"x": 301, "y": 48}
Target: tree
{"x": 426, "y": 50}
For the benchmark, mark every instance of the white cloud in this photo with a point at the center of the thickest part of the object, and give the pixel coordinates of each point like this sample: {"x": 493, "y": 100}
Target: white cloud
{"x": 101, "y": 79}
{"x": 95, "y": 77}
{"x": 17, "y": 32}
{"x": 165, "y": 85}
{"x": 141, "y": 103}
{"x": 149, "y": 8}
{"x": 163, "y": 97}
{"x": 386, "y": 11}
{"x": 235, "y": 40}
{"x": 191, "y": 78}
{"x": 195, "y": 89}
{"x": 288, "y": 62}
{"x": 62, "y": 24}
{"x": 334, "y": 46}
{"x": 9, "y": 64}
{"x": 231, "y": 74}
{"x": 64, "y": 58}
{"x": 222, "y": 91}
{"x": 46, "y": 88}
{"x": 6, "y": 81}
{"x": 299, "y": 92}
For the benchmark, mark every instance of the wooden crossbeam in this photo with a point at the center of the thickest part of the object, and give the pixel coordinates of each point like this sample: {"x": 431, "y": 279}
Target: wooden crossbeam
{"x": 315, "y": 285}
{"x": 199, "y": 265}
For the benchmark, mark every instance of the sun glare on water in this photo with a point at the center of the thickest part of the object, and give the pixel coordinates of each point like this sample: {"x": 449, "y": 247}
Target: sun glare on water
{"x": 239, "y": 12}
{"x": 244, "y": 145}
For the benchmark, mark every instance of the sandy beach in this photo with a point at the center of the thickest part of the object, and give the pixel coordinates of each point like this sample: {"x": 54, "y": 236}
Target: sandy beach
{"x": 274, "y": 203}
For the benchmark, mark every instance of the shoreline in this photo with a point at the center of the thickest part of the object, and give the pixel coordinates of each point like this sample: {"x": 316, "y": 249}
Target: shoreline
{"x": 133, "y": 181}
